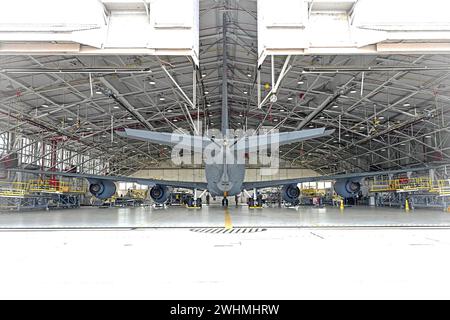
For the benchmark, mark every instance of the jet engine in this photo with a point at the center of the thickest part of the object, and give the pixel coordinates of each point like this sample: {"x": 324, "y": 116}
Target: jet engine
{"x": 347, "y": 188}
{"x": 160, "y": 194}
{"x": 291, "y": 193}
{"x": 102, "y": 189}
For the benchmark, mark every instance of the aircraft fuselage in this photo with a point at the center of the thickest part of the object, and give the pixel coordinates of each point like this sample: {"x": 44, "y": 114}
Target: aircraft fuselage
{"x": 225, "y": 180}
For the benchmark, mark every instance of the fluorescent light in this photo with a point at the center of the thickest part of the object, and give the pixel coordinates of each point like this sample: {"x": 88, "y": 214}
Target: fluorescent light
{"x": 290, "y": 98}
{"x": 45, "y": 106}
{"x": 175, "y": 120}
{"x": 282, "y": 110}
{"x": 407, "y": 105}
{"x": 162, "y": 99}
{"x": 130, "y": 118}
{"x": 99, "y": 92}
{"x": 381, "y": 118}
{"x": 206, "y": 92}
{"x": 322, "y": 117}
{"x": 301, "y": 82}
{"x": 275, "y": 120}
{"x": 116, "y": 107}
{"x": 353, "y": 91}
{"x": 70, "y": 119}
{"x": 241, "y": 115}
{"x": 335, "y": 107}
{"x": 170, "y": 111}
{"x": 245, "y": 92}
{"x": 203, "y": 75}
{"x": 152, "y": 82}
{"x": 428, "y": 137}
{"x": 249, "y": 75}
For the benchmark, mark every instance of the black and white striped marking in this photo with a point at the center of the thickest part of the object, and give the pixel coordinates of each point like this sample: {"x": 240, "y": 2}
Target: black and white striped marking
{"x": 228, "y": 231}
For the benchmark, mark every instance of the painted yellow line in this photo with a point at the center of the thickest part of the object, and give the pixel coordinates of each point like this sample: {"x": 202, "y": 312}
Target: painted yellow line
{"x": 228, "y": 222}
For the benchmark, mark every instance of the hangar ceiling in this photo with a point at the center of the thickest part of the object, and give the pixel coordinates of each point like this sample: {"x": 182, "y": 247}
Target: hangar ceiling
{"x": 389, "y": 112}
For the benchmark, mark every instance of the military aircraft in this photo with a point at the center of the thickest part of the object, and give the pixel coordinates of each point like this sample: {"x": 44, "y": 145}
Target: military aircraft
{"x": 224, "y": 178}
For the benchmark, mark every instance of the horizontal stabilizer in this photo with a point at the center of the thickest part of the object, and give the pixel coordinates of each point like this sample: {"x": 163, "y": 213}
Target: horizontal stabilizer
{"x": 166, "y": 139}
{"x": 258, "y": 142}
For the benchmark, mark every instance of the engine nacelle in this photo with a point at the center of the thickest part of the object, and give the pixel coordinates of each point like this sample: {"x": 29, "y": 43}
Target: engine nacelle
{"x": 291, "y": 193}
{"x": 160, "y": 194}
{"x": 347, "y": 188}
{"x": 102, "y": 189}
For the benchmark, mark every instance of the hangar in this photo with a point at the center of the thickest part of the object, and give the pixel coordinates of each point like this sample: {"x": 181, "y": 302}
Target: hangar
{"x": 334, "y": 114}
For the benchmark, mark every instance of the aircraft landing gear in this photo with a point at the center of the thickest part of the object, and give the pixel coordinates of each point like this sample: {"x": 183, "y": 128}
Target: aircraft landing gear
{"x": 225, "y": 202}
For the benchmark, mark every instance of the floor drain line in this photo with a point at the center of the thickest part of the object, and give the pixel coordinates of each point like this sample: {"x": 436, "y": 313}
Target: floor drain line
{"x": 228, "y": 231}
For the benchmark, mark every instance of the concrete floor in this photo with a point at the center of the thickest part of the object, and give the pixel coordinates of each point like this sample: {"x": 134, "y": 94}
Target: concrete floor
{"x": 217, "y": 217}
{"x": 274, "y": 259}
{"x": 180, "y": 264}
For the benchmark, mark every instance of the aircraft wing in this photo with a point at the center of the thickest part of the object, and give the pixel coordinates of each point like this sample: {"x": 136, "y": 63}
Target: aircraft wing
{"x": 146, "y": 182}
{"x": 277, "y": 183}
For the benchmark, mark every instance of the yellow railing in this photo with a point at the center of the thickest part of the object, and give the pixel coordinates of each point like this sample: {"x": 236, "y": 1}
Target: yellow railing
{"x": 310, "y": 192}
{"x": 441, "y": 187}
{"x": 11, "y": 189}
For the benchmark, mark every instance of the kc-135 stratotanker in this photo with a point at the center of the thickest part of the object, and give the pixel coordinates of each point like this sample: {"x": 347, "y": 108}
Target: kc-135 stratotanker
{"x": 225, "y": 178}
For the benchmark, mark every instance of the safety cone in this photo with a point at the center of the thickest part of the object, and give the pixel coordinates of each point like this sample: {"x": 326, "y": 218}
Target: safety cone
{"x": 342, "y": 205}
{"x": 407, "y": 206}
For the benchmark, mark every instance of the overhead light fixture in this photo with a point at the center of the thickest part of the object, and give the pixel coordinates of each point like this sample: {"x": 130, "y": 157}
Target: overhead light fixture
{"x": 282, "y": 110}
{"x": 322, "y": 117}
{"x": 152, "y": 82}
{"x": 162, "y": 99}
{"x": 275, "y": 120}
{"x": 362, "y": 128}
{"x": 335, "y": 107}
{"x": 249, "y": 75}
{"x": 45, "y": 106}
{"x": 175, "y": 120}
{"x": 290, "y": 98}
{"x": 353, "y": 91}
{"x": 98, "y": 92}
{"x": 241, "y": 115}
{"x": 170, "y": 111}
{"x": 116, "y": 107}
{"x": 203, "y": 75}
{"x": 69, "y": 119}
{"x": 208, "y": 105}
{"x": 311, "y": 126}
{"x": 428, "y": 137}
{"x": 347, "y": 135}
{"x": 407, "y": 105}
{"x": 206, "y": 92}
{"x": 381, "y": 118}
{"x": 301, "y": 82}
{"x": 130, "y": 118}
{"x": 245, "y": 92}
